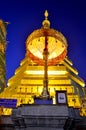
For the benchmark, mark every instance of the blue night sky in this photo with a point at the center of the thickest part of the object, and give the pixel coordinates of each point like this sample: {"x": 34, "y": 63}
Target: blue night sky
{"x": 24, "y": 16}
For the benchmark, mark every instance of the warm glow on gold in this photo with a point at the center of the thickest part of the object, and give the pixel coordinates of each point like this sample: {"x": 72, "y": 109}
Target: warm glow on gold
{"x": 55, "y": 47}
{"x": 45, "y": 65}
{"x": 41, "y": 72}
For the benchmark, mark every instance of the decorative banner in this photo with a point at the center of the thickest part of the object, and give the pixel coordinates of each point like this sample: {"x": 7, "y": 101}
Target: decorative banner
{"x": 43, "y": 101}
{"x": 8, "y": 103}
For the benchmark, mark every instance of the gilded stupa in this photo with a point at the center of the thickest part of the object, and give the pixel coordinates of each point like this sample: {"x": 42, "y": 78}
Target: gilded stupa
{"x": 45, "y": 70}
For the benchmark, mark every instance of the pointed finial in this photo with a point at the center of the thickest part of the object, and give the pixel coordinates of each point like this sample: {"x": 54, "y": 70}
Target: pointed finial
{"x": 46, "y": 14}
{"x": 46, "y": 22}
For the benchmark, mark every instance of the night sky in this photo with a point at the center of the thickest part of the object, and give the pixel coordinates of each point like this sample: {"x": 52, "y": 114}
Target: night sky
{"x": 24, "y": 16}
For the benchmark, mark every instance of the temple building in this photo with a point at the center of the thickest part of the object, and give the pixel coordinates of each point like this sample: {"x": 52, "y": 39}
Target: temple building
{"x": 44, "y": 86}
{"x": 2, "y": 55}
